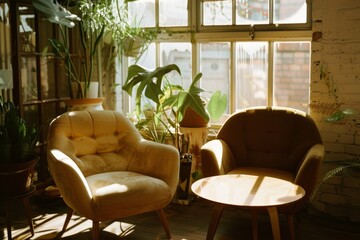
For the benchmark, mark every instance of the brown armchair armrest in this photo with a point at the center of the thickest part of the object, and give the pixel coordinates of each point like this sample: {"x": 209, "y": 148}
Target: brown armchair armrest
{"x": 309, "y": 170}
{"x": 216, "y": 158}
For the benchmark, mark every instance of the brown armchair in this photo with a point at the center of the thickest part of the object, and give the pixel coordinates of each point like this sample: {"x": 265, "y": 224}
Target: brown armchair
{"x": 272, "y": 141}
{"x": 105, "y": 170}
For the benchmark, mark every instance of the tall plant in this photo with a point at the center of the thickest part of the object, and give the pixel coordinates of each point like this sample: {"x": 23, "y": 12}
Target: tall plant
{"x": 17, "y": 139}
{"x": 91, "y": 21}
{"x": 97, "y": 21}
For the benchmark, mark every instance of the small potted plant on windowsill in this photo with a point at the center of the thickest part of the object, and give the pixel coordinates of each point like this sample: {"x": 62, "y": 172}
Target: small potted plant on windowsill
{"x": 17, "y": 149}
{"x": 133, "y": 39}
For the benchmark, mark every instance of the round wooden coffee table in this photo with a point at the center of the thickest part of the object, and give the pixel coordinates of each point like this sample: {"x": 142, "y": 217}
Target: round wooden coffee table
{"x": 250, "y": 191}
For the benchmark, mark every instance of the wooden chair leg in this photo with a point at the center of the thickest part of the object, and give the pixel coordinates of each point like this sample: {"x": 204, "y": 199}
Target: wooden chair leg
{"x": 28, "y": 215}
{"x": 8, "y": 219}
{"x": 164, "y": 222}
{"x": 95, "y": 230}
{"x": 70, "y": 212}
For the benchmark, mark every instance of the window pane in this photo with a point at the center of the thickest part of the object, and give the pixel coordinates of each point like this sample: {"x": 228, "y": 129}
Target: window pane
{"x": 290, "y": 11}
{"x": 143, "y": 12}
{"x": 292, "y": 74}
{"x": 251, "y": 74}
{"x": 6, "y": 79}
{"x": 215, "y": 67}
{"x": 252, "y": 12}
{"x": 217, "y": 12}
{"x": 147, "y": 59}
{"x": 180, "y": 54}
{"x": 173, "y": 13}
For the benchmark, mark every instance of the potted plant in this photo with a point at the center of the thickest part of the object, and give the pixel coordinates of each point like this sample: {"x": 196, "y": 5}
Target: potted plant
{"x": 171, "y": 102}
{"x": 17, "y": 149}
{"x": 98, "y": 23}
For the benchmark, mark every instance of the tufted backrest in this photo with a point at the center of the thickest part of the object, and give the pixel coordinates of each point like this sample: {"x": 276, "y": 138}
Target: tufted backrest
{"x": 98, "y": 141}
{"x": 270, "y": 137}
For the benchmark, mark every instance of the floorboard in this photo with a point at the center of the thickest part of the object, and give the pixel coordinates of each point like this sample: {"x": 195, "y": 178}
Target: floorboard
{"x": 186, "y": 223}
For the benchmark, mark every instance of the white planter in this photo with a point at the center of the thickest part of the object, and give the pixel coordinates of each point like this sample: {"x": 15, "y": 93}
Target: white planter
{"x": 84, "y": 104}
{"x": 92, "y": 92}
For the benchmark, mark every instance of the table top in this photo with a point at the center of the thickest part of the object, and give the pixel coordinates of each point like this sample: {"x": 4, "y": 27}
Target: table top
{"x": 247, "y": 190}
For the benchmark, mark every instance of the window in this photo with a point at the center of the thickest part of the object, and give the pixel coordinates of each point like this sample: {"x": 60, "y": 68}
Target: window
{"x": 257, "y": 52}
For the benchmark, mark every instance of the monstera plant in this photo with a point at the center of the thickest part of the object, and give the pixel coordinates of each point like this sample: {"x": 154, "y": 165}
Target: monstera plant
{"x": 171, "y": 102}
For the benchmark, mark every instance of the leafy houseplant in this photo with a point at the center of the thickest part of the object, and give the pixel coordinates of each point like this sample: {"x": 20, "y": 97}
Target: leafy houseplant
{"x": 99, "y": 23}
{"x": 17, "y": 149}
{"x": 169, "y": 101}
{"x": 168, "y": 107}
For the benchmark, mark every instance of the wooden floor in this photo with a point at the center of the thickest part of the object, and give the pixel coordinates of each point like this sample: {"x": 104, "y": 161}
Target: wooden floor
{"x": 186, "y": 223}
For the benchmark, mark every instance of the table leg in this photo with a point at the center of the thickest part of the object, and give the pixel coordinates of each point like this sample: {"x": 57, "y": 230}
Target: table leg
{"x": 254, "y": 215}
{"x": 274, "y": 218}
{"x": 214, "y": 222}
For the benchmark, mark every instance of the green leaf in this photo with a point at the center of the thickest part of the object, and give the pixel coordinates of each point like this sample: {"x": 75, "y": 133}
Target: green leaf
{"x": 337, "y": 116}
{"x": 55, "y": 13}
{"x": 217, "y": 105}
{"x": 148, "y": 83}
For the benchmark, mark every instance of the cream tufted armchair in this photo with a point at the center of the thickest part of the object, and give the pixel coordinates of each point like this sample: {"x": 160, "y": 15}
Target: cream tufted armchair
{"x": 105, "y": 170}
{"x": 272, "y": 141}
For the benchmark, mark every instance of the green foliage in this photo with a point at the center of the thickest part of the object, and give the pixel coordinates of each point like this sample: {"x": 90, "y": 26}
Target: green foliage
{"x": 217, "y": 105}
{"x": 147, "y": 82}
{"x": 343, "y": 165}
{"x": 168, "y": 101}
{"x": 102, "y": 21}
{"x": 17, "y": 140}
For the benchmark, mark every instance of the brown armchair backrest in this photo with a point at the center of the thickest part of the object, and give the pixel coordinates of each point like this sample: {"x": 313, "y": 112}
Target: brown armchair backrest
{"x": 270, "y": 137}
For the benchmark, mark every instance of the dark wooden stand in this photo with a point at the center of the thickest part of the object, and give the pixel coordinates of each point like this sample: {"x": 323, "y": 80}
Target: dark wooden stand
{"x": 7, "y": 204}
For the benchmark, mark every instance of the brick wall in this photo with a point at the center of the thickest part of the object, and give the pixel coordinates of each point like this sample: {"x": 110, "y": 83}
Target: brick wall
{"x": 336, "y": 78}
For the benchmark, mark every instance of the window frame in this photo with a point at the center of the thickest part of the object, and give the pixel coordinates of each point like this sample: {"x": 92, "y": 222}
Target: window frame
{"x": 195, "y": 33}
{"x": 247, "y": 27}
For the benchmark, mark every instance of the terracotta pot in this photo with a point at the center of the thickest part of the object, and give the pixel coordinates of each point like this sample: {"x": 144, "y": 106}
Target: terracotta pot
{"x": 192, "y": 119}
{"x": 16, "y": 179}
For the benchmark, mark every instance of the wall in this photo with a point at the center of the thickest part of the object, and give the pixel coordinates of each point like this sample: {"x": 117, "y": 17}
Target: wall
{"x": 336, "y": 79}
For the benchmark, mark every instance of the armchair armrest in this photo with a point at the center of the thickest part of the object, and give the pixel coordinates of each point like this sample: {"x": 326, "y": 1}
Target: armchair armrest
{"x": 71, "y": 182}
{"x": 158, "y": 160}
{"x": 217, "y": 158}
{"x": 309, "y": 170}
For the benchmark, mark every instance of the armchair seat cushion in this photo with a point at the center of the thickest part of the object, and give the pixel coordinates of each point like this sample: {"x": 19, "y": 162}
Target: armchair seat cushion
{"x": 126, "y": 191}
{"x": 270, "y": 172}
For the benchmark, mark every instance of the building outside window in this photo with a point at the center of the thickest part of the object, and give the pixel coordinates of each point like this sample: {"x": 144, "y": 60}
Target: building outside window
{"x": 257, "y": 52}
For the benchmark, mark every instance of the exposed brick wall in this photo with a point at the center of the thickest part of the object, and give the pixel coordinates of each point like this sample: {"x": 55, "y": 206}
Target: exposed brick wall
{"x": 336, "y": 52}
